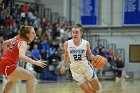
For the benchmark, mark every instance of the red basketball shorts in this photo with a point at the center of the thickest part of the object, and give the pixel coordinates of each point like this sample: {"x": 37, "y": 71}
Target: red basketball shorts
{"x": 6, "y": 67}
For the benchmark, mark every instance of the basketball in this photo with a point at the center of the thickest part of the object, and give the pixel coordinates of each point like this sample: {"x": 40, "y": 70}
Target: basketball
{"x": 38, "y": 69}
{"x": 98, "y": 62}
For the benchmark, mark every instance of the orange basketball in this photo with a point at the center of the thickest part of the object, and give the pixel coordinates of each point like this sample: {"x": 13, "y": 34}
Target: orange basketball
{"x": 98, "y": 62}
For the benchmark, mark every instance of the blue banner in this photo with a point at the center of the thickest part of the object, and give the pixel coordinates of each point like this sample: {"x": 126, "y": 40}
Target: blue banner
{"x": 89, "y": 12}
{"x": 131, "y": 12}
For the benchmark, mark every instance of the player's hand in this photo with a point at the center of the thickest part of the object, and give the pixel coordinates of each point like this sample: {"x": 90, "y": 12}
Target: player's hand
{"x": 40, "y": 63}
{"x": 95, "y": 58}
{"x": 63, "y": 70}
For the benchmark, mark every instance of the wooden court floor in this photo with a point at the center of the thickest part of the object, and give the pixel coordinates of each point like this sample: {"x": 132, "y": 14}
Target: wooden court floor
{"x": 108, "y": 86}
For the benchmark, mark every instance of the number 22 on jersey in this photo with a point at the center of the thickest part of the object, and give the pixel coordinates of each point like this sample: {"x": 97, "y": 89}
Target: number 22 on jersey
{"x": 77, "y": 57}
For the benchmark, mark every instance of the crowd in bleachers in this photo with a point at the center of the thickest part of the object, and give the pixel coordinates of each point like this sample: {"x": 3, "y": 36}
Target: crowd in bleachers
{"x": 48, "y": 44}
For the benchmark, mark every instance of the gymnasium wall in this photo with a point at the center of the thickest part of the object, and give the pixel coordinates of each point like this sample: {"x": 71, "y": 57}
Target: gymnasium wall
{"x": 109, "y": 11}
{"x": 55, "y": 5}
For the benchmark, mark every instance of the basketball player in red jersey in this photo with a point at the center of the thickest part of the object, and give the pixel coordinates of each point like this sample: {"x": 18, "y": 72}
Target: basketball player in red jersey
{"x": 83, "y": 73}
{"x": 13, "y": 49}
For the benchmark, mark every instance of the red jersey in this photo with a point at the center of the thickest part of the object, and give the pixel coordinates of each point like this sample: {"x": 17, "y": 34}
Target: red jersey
{"x": 12, "y": 52}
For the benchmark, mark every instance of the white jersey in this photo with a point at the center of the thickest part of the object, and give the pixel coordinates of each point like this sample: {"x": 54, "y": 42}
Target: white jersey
{"x": 80, "y": 68}
{"x": 77, "y": 54}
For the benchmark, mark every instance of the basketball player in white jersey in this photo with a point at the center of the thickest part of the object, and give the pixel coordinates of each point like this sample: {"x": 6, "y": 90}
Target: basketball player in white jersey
{"x": 77, "y": 50}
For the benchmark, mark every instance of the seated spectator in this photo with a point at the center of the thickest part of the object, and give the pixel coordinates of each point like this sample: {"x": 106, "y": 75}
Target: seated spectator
{"x": 120, "y": 71}
{"x": 31, "y": 16}
{"x": 96, "y": 51}
{"x": 2, "y": 18}
{"x": 35, "y": 52}
{"x": 54, "y": 59}
{"x": 44, "y": 48}
{"x": 37, "y": 23}
{"x": 23, "y": 17}
{"x": 119, "y": 65}
{"x": 9, "y": 21}
{"x": 110, "y": 57}
{"x": 102, "y": 51}
{"x": 25, "y": 8}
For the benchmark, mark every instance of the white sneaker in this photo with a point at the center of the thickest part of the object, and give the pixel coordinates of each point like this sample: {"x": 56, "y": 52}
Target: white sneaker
{"x": 117, "y": 79}
{"x": 127, "y": 76}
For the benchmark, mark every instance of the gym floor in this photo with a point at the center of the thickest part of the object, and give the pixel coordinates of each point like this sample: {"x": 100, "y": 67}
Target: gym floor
{"x": 108, "y": 86}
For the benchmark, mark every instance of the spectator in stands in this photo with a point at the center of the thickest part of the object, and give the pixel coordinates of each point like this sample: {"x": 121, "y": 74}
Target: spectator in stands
{"x": 110, "y": 57}
{"x": 60, "y": 49}
{"x": 23, "y": 17}
{"x": 120, "y": 67}
{"x": 14, "y": 29}
{"x": 36, "y": 53}
{"x": 54, "y": 59}
{"x": 56, "y": 31}
{"x": 18, "y": 19}
{"x": 7, "y": 3}
{"x": 62, "y": 32}
{"x": 37, "y": 23}
{"x": 44, "y": 46}
{"x": 2, "y": 18}
{"x": 31, "y": 16}
{"x": 25, "y": 8}
{"x": 96, "y": 51}
{"x": 45, "y": 23}
{"x": 111, "y": 53}
{"x": 46, "y": 35}
{"x": 35, "y": 41}
{"x": 110, "y": 61}
{"x": 102, "y": 51}
{"x": 69, "y": 34}
{"x": 9, "y": 21}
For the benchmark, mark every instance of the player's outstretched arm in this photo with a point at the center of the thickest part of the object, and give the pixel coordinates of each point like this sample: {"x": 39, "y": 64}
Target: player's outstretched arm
{"x": 22, "y": 50}
{"x": 63, "y": 68}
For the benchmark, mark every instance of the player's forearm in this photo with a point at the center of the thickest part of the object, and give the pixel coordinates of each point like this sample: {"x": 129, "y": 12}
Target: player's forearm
{"x": 65, "y": 62}
{"x": 27, "y": 59}
{"x": 91, "y": 57}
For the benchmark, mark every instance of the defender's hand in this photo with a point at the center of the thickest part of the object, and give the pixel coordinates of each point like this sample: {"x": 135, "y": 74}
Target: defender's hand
{"x": 40, "y": 63}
